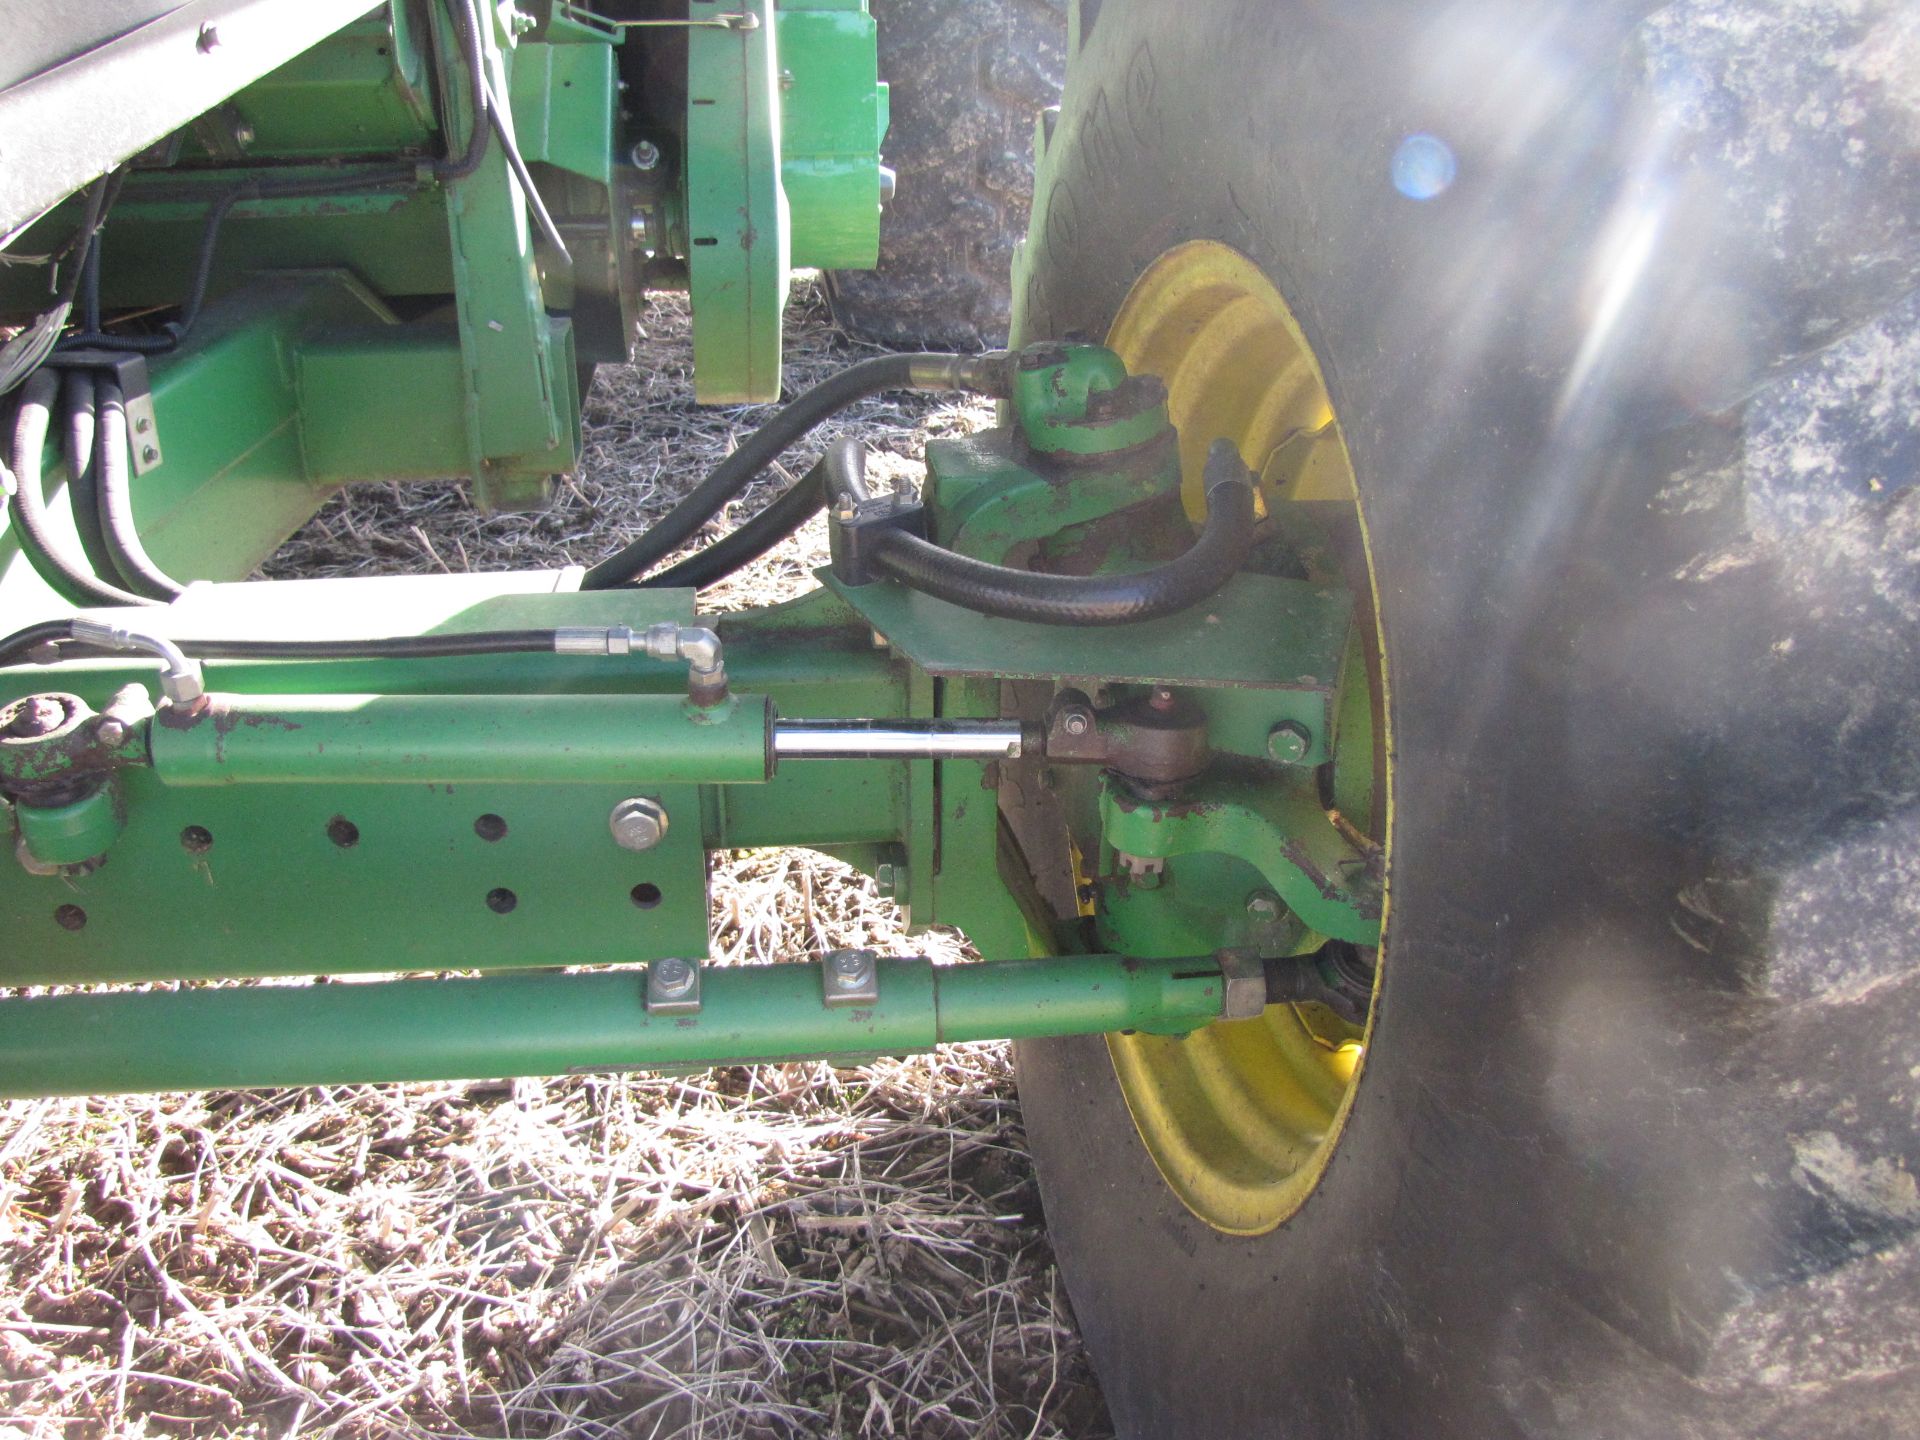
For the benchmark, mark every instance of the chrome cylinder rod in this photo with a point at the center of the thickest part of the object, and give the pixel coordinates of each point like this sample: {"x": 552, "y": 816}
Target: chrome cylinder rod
{"x": 897, "y": 739}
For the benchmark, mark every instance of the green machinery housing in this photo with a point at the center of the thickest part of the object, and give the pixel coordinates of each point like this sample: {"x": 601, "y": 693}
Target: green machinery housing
{"x": 515, "y": 776}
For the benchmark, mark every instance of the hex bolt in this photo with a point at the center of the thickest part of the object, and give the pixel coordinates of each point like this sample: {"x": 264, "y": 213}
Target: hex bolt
{"x": 638, "y": 823}
{"x": 849, "y": 968}
{"x": 645, "y": 155}
{"x": 672, "y": 977}
{"x": 1263, "y": 906}
{"x": 1288, "y": 742}
{"x": 111, "y": 732}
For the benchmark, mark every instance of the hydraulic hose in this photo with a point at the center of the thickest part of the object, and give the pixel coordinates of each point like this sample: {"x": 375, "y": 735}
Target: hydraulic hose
{"x": 30, "y": 426}
{"x": 760, "y": 449}
{"x": 77, "y": 408}
{"x": 797, "y": 504}
{"x": 1163, "y": 589}
{"x": 695, "y": 644}
{"x": 113, "y": 476}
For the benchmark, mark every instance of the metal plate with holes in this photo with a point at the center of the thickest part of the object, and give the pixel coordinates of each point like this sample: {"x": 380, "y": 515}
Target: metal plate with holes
{"x": 1258, "y": 631}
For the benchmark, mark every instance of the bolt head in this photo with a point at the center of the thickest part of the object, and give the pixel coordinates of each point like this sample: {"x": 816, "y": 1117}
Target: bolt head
{"x": 1076, "y": 722}
{"x": 148, "y": 454}
{"x": 645, "y": 155}
{"x": 111, "y": 731}
{"x": 1288, "y": 742}
{"x": 639, "y": 823}
{"x": 849, "y": 969}
{"x": 886, "y": 879}
{"x": 1262, "y": 905}
{"x": 672, "y": 976}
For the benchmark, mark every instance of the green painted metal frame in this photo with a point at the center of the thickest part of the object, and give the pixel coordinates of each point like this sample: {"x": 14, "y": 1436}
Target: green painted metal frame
{"x": 553, "y": 1024}
{"x": 341, "y": 816}
{"x": 738, "y": 231}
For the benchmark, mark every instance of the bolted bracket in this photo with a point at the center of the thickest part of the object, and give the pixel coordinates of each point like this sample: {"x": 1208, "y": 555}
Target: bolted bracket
{"x": 851, "y": 529}
{"x": 1316, "y": 871}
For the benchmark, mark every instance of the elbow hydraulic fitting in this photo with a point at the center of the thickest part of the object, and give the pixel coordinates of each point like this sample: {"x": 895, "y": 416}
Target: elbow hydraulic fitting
{"x": 180, "y": 677}
{"x": 696, "y": 644}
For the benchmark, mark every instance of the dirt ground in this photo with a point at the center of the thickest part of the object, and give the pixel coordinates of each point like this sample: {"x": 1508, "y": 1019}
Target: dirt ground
{"x": 785, "y": 1250}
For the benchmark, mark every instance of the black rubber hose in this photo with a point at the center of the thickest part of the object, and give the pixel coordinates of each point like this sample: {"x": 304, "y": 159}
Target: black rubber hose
{"x": 756, "y": 452}
{"x": 113, "y": 478}
{"x": 77, "y": 409}
{"x": 468, "y": 16}
{"x": 398, "y": 647}
{"x": 796, "y": 505}
{"x": 17, "y": 648}
{"x": 1164, "y": 589}
{"x": 30, "y": 425}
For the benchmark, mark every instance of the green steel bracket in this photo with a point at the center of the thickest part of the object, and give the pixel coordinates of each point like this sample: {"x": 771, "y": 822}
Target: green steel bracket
{"x": 833, "y": 116}
{"x": 565, "y": 99}
{"x": 550, "y": 1024}
{"x": 1281, "y": 831}
{"x": 738, "y": 231}
{"x": 1279, "y": 637}
{"x": 781, "y": 168}
{"x": 521, "y": 407}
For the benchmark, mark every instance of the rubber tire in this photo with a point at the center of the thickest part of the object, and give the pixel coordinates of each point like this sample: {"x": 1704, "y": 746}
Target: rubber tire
{"x": 968, "y": 79}
{"x": 1634, "y": 1149}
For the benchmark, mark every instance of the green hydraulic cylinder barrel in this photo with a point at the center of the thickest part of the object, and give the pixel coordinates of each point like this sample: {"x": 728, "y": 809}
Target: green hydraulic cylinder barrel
{"x": 551, "y": 1023}
{"x": 470, "y": 739}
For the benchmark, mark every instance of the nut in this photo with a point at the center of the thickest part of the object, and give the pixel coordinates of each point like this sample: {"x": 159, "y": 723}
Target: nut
{"x": 645, "y": 155}
{"x": 638, "y": 823}
{"x": 1075, "y": 722}
{"x": 1288, "y": 742}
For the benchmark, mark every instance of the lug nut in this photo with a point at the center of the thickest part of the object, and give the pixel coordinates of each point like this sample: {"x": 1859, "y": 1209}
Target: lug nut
{"x": 638, "y": 823}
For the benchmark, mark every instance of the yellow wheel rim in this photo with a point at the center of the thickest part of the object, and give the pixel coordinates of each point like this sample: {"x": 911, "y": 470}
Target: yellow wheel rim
{"x": 1242, "y": 1117}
